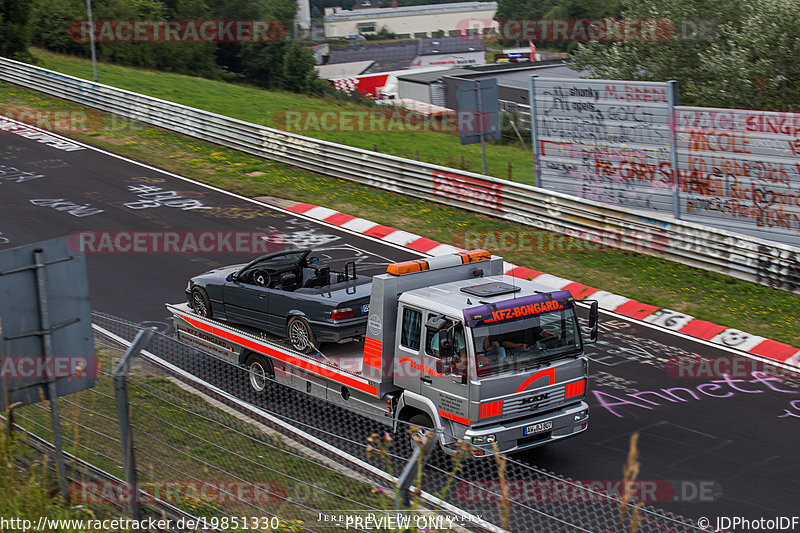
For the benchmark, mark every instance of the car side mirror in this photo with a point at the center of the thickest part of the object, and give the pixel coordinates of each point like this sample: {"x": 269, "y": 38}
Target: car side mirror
{"x": 312, "y": 260}
{"x": 230, "y": 277}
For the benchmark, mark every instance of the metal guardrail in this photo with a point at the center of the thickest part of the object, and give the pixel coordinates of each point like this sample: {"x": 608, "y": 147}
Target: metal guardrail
{"x": 740, "y": 256}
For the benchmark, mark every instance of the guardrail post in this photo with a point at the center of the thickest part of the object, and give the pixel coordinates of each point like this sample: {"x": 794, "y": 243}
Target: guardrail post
{"x": 123, "y": 415}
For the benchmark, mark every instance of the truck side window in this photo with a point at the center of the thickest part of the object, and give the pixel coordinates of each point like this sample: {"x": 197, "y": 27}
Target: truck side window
{"x": 412, "y": 322}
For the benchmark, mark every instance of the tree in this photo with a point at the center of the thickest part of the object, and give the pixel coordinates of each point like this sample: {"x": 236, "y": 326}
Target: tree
{"x": 723, "y": 53}
{"x": 14, "y": 32}
{"x": 756, "y": 65}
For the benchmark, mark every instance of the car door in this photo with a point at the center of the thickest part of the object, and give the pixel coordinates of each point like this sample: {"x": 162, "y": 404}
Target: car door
{"x": 246, "y": 302}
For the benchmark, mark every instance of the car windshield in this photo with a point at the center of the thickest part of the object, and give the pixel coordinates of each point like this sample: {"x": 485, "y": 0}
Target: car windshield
{"x": 279, "y": 262}
{"x": 521, "y": 345}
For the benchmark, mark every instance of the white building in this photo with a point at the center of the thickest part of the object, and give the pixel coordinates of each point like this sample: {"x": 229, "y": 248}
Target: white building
{"x": 415, "y": 21}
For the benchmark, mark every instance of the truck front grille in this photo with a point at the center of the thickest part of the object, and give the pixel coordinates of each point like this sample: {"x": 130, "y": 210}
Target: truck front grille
{"x": 539, "y": 400}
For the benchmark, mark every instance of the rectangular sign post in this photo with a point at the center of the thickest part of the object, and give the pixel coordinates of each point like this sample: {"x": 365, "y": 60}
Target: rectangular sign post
{"x": 46, "y": 343}
{"x": 479, "y": 113}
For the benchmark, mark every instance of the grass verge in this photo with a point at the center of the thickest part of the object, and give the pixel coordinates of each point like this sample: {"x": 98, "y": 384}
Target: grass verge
{"x": 705, "y": 295}
{"x": 182, "y": 443}
{"x": 269, "y": 107}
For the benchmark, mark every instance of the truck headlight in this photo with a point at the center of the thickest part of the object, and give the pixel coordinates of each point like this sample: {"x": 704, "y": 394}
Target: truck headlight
{"x": 484, "y": 439}
{"x": 581, "y": 415}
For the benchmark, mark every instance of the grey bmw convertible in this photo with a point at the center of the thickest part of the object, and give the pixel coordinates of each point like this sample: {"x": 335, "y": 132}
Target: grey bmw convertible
{"x": 288, "y": 293}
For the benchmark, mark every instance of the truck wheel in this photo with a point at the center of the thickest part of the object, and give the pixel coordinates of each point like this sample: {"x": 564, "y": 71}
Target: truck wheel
{"x": 300, "y": 335}
{"x": 260, "y": 371}
{"x": 200, "y": 303}
{"x": 422, "y": 421}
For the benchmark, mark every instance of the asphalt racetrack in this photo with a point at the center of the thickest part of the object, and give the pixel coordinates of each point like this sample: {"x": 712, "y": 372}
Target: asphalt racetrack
{"x": 713, "y": 445}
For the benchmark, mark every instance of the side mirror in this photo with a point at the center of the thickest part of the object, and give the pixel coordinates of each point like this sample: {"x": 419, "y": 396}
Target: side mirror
{"x": 312, "y": 260}
{"x": 446, "y": 342}
{"x": 594, "y": 314}
{"x": 230, "y": 277}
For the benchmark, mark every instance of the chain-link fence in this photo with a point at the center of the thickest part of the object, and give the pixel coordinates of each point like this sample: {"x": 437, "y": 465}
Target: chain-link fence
{"x": 202, "y": 443}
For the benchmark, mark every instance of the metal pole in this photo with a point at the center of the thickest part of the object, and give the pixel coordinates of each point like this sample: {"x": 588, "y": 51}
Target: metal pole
{"x": 91, "y": 39}
{"x": 123, "y": 415}
{"x": 403, "y": 497}
{"x": 47, "y": 345}
{"x": 480, "y": 117}
{"x": 672, "y": 101}
{"x": 534, "y": 142}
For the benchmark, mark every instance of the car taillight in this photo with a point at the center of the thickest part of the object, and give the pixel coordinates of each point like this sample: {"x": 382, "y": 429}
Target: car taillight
{"x": 338, "y": 314}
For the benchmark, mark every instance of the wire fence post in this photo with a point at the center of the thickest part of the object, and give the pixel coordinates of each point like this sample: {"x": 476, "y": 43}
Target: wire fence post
{"x": 123, "y": 415}
{"x": 421, "y": 453}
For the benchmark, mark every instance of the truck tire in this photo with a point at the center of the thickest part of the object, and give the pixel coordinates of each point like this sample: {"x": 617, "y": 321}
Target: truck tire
{"x": 200, "y": 303}
{"x": 259, "y": 371}
{"x": 300, "y": 335}
{"x": 422, "y": 421}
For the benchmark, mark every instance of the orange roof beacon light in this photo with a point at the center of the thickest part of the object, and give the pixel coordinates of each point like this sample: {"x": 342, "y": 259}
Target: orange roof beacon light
{"x": 435, "y": 263}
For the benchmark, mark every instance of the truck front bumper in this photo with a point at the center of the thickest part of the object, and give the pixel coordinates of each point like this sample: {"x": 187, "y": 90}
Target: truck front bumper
{"x": 523, "y": 434}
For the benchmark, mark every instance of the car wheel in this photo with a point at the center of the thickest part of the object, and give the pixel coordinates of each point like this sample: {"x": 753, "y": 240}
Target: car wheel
{"x": 200, "y": 303}
{"x": 259, "y": 371}
{"x": 300, "y": 335}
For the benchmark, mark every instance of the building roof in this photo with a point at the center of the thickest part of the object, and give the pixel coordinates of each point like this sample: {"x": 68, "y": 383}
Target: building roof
{"x": 400, "y": 54}
{"x": 391, "y": 12}
{"x": 343, "y": 70}
{"x": 428, "y": 77}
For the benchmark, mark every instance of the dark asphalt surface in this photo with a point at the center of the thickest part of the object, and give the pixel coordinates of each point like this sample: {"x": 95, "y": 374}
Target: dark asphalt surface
{"x": 714, "y": 447}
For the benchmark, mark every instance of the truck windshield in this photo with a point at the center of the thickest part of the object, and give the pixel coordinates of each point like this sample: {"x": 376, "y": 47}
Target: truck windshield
{"x": 525, "y": 344}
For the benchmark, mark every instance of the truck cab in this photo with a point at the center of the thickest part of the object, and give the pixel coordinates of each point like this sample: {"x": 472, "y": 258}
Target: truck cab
{"x": 499, "y": 361}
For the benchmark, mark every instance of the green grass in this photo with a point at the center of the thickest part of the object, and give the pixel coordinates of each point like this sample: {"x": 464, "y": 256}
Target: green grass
{"x": 706, "y": 295}
{"x": 262, "y": 107}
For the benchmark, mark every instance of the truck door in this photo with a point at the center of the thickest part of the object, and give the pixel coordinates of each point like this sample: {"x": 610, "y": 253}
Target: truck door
{"x": 407, "y": 371}
{"x": 447, "y": 384}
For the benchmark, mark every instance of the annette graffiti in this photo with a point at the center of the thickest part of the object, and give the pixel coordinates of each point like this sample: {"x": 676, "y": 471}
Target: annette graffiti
{"x": 176, "y": 242}
{"x": 728, "y": 387}
{"x": 177, "y": 31}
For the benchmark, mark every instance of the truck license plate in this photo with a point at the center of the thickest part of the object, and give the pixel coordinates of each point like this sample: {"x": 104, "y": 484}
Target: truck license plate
{"x": 365, "y": 308}
{"x": 538, "y": 428}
